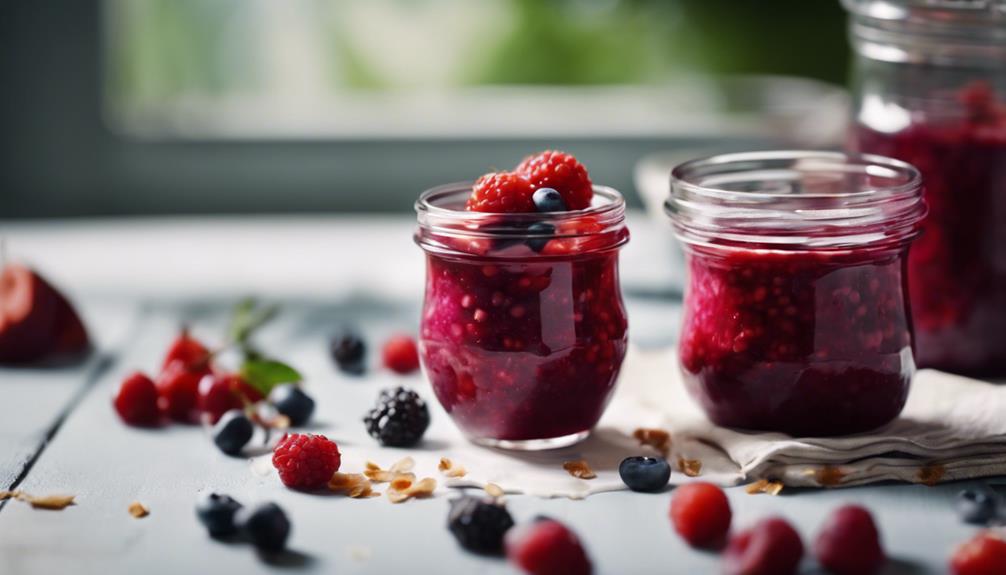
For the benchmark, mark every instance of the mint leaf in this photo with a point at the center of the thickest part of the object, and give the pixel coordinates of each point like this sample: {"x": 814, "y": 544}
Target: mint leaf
{"x": 248, "y": 317}
{"x": 265, "y": 374}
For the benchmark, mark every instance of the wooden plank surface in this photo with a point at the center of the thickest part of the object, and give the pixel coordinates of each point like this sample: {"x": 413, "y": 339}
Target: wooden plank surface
{"x": 107, "y": 465}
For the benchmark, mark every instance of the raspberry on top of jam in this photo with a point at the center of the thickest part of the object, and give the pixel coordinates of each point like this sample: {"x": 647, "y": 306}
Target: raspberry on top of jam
{"x": 511, "y": 192}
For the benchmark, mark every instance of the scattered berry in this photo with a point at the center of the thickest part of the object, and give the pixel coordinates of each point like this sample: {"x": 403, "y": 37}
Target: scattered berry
{"x": 770, "y": 547}
{"x": 548, "y": 200}
{"x": 291, "y": 401}
{"x": 266, "y": 526}
{"x": 400, "y": 354}
{"x": 977, "y": 506}
{"x": 701, "y": 514}
{"x": 306, "y": 461}
{"x": 232, "y": 432}
{"x": 178, "y": 387}
{"x": 543, "y": 229}
{"x": 216, "y": 513}
{"x": 645, "y": 473}
{"x": 136, "y": 401}
{"x": 189, "y": 351}
{"x": 501, "y": 192}
{"x": 479, "y": 525}
{"x": 399, "y": 419}
{"x": 220, "y": 393}
{"x": 546, "y": 547}
{"x": 562, "y": 172}
{"x": 985, "y": 554}
{"x": 349, "y": 352}
{"x": 849, "y": 543}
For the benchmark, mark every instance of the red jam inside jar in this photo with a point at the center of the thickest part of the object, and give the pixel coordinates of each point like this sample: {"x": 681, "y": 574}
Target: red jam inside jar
{"x": 958, "y": 266}
{"x": 523, "y": 329}
{"x": 796, "y": 317}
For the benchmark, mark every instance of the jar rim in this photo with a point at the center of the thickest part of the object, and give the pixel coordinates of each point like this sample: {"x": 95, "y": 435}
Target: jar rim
{"x": 796, "y": 198}
{"x": 430, "y": 204}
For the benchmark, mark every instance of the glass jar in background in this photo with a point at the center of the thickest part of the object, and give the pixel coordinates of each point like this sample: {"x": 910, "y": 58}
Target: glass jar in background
{"x": 930, "y": 89}
{"x": 523, "y": 329}
{"x": 796, "y": 314}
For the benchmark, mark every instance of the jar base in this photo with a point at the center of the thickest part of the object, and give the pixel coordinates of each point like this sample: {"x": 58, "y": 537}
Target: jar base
{"x": 532, "y": 444}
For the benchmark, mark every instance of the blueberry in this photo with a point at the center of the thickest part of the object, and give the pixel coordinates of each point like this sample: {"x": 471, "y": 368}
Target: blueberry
{"x": 233, "y": 432}
{"x": 266, "y": 526}
{"x": 349, "y": 351}
{"x": 548, "y": 200}
{"x": 645, "y": 473}
{"x": 216, "y": 513}
{"x": 539, "y": 229}
{"x": 977, "y": 506}
{"x": 292, "y": 402}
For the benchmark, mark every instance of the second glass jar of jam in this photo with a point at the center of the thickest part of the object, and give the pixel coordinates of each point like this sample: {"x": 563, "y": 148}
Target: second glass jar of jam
{"x": 796, "y": 312}
{"x": 523, "y": 329}
{"x": 930, "y": 89}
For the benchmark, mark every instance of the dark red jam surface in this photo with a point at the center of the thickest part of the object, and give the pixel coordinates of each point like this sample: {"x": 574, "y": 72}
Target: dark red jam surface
{"x": 806, "y": 343}
{"x": 521, "y": 348}
{"x": 957, "y": 268}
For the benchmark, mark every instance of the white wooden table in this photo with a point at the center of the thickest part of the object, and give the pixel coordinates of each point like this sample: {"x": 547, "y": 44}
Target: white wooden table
{"x": 135, "y": 281}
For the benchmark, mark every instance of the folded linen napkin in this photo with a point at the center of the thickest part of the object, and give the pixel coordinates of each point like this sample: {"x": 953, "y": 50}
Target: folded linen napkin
{"x": 952, "y": 428}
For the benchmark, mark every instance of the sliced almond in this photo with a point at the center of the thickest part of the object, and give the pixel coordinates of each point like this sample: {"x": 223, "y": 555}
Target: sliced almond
{"x": 400, "y": 469}
{"x": 354, "y": 485}
{"x": 658, "y": 439}
{"x": 494, "y": 490}
{"x": 690, "y": 467}
{"x": 764, "y": 486}
{"x": 54, "y": 502}
{"x": 403, "y": 465}
{"x": 579, "y": 468}
{"x": 138, "y": 510}
{"x": 450, "y": 469}
{"x": 423, "y": 488}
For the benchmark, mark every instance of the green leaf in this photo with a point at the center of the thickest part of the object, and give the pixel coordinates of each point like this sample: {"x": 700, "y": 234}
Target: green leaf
{"x": 248, "y": 317}
{"x": 265, "y": 374}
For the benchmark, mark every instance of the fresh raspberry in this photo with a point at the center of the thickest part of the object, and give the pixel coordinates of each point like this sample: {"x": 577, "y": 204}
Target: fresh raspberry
{"x": 701, "y": 514}
{"x": 189, "y": 351}
{"x": 305, "y": 460}
{"x": 178, "y": 387}
{"x": 985, "y": 554}
{"x": 400, "y": 354}
{"x": 220, "y": 393}
{"x": 562, "y": 172}
{"x": 501, "y": 192}
{"x": 546, "y": 547}
{"x": 770, "y": 547}
{"x": 849, "y": 543}
{"x": 136, "y": 401}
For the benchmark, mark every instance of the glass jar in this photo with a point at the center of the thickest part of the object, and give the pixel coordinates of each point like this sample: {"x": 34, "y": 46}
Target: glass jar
{"x": 796, "y": 315}
{"x": 930, "y": 89}
{"x": 523, "y": 329}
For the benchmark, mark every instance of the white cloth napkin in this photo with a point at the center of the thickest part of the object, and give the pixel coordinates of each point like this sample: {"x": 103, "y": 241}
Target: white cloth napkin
{"x": 952, "y": 428}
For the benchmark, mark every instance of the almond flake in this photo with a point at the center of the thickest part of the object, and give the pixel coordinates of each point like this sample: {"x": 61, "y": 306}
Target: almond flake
{"x": 4, "y": 495}
{"x": 401, "y": 483}
{"x": 424, "y": 488}
{"x": 579, "y": 468}
{"x": 931, "y": 474}
{"x": 690, "y": 467}
{"x": 400, "y": 469}
{"x": 403, "y": 465}
{"x": 354, "y": 485}
{"x": 448, "y": 468}
{"x": 494, "y": 490}
{"x": 764, "y": 486}
{"x": 54, "y": 502}
{"x": 655, "y": 438}
{"x": 138, "y": 510}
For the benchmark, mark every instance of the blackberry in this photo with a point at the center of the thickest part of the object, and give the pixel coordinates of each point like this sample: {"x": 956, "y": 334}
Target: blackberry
{"x": 216, "y": 512}
{"x": 349, "y": 351}
{"x": 399, "y": 419}
{"x": 479, "y": 525}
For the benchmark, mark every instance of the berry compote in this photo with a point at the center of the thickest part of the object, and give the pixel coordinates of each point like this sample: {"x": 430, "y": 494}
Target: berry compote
{"x": 958, "y": 265}
{"x": 796, "y": 315}
{"x": 523, "y": 329}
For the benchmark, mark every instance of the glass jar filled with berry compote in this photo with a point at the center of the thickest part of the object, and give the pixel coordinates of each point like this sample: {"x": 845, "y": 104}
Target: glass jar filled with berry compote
{"x": 930, "y": 89}
{"x": 796, "y": 313}
{"x": 523, "y": 327}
